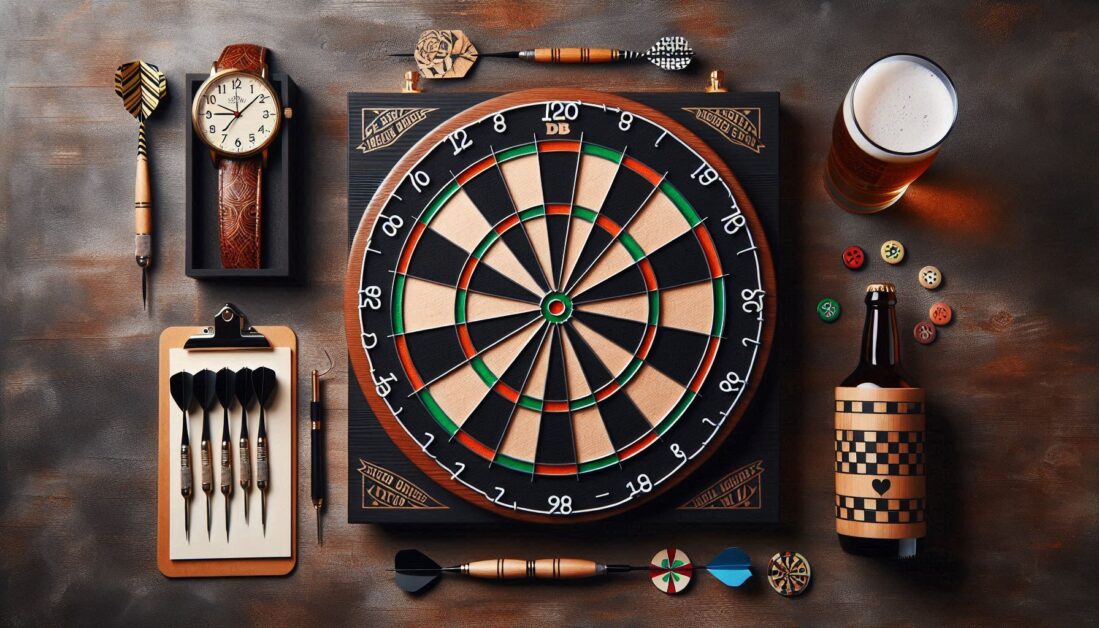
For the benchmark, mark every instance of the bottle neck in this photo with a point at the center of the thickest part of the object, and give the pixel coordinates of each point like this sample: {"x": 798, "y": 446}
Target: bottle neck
{"x": 880, "y": 340}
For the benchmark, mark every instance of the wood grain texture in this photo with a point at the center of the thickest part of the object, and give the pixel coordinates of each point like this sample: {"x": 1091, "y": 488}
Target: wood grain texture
{"x": 1008, "y": 212}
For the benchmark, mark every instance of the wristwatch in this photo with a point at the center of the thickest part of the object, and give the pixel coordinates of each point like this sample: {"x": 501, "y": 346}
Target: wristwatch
{"x": 236, "y": 113}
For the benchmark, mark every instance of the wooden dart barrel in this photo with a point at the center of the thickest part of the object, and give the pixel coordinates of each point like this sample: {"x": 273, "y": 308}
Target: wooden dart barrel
{"x": 880, "y": 480}
{"x": 576, "y": 55}
{"x": 542, "y": 568}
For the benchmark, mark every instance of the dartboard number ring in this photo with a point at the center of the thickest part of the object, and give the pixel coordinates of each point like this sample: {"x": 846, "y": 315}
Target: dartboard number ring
{"x": 559, "y": 303}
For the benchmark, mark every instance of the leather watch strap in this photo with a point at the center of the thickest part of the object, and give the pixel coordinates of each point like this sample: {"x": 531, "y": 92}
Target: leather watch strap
{"x": 248, "y": 57}
{"x": 240, "y": 180}
{"x": 239, "y": 195}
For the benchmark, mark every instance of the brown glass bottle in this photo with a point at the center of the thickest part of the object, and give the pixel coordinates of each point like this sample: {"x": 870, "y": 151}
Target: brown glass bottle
{"x": 880, "y": 367}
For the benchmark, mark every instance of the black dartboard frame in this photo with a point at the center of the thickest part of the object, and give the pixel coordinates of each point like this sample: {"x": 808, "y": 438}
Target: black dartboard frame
{"x": 545, "y": 378}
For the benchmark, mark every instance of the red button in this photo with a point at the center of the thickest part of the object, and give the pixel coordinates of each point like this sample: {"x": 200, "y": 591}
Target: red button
{"x": 854, "y": 257}
{"x": 924, "y": 332}
{"x": 940, "y": 314}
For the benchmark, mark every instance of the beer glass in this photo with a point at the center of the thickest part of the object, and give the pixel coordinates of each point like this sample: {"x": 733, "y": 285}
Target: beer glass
{"x": 888, "y": 130}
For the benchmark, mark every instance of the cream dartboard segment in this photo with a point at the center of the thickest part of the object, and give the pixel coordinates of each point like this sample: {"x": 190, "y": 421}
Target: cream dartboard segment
{"x": 558, "y": 304}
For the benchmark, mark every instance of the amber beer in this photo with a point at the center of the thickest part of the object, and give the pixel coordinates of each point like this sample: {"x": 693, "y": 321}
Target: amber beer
{"x": 888, "y": 130}
{"x": 879, "y": 429}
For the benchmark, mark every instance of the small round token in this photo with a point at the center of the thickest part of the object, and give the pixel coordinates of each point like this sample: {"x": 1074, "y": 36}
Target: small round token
{"x": 924, "y": 332}
{"x": 828, "y": 309}
{"x": 892, "y": 252}
{"x": 789, "y": 573}
{"x": 930, "y": 277}
{"x": 854, "y": 257}
{"x": 671, "y": 570}
{"x": 940, "y": 314}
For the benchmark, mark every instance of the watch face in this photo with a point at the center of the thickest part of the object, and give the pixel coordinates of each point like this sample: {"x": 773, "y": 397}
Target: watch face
{"x": 236, "y": 113}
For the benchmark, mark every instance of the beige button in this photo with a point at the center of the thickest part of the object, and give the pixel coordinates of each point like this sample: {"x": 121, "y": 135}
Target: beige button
{"x": 892, "y": 252}
{"x": 930, "y": 277}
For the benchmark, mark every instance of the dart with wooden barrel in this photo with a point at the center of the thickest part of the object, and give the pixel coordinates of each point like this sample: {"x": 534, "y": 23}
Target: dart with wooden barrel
{"x": 450, "y": 54}
{"x": 141, "y": 86}
{"x": 670, "y": 570}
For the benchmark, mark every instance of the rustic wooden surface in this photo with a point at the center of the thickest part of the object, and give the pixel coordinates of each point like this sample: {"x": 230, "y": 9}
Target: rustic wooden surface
{"x": 1008, "y": 212}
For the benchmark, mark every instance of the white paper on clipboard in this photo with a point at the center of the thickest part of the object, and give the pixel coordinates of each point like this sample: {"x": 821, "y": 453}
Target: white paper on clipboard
{"x": 246, "y": 540}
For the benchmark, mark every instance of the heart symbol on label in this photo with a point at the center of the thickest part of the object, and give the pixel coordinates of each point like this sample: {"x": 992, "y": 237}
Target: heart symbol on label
{"x": 881, "y": 486}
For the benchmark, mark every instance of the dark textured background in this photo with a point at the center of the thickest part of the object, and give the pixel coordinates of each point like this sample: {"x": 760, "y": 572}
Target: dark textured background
{"x": 1008, "y": 212}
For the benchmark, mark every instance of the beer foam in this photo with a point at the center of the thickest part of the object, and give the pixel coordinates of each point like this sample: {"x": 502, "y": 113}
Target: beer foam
{"x": 904, "y": 104}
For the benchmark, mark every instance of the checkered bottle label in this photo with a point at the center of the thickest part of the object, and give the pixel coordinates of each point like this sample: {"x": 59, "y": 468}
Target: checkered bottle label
{"x": 880, "y": 480}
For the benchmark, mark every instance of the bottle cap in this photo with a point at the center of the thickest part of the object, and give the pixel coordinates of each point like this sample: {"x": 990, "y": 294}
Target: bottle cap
{"x": 882, "y": 287}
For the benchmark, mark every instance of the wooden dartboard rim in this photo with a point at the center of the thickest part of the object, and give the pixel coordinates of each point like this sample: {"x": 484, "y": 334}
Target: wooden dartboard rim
{"x": 360, "y": 361}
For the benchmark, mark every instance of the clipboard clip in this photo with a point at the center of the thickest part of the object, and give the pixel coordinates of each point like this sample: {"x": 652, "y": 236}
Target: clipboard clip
{"x": 230, "y": 331}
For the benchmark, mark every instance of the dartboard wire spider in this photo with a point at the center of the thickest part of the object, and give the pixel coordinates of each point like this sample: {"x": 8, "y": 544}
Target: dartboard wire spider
{"x": 532, "y": 299}
{"x": 559, "y": 334}
{"x": 572, "y": 205}
{"x": 602, "y": 201}
{"x": 478, "y": 354}
{"x": 576, "y": 279}
{"x": 515, "y": 211}
{"x": 647, "y": 255}
{"x": 526, "y": 379}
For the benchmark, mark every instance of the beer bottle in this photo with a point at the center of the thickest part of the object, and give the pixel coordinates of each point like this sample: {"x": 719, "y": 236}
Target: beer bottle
{"x": 880, "y": 492}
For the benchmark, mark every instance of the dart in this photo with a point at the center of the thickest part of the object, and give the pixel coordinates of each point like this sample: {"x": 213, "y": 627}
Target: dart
{"x": 670, "y": 569}
{"x": 264, "y": 382}
{"x": 181, "y": 386}
{"x": 245, "y": 395}
{"x": 141, "y": 86}
{"x": 316, "y": 475}
{"x": 204, "y": 386}
{"x": 226, "y": 388}
{"x": 450, "y": 54}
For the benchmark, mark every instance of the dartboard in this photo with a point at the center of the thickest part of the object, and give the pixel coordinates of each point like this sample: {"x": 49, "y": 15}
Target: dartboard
{"x": 558, "y": 304}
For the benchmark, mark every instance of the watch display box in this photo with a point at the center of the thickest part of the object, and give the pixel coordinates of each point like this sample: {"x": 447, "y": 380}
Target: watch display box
{"x": 278, "y": 234}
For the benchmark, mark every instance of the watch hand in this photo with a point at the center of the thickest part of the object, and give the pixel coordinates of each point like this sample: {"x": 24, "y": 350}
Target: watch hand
{"x": 230, "y": 123}
{"x": 249, "y": 104}
{"x": 228, "y": 109}
{"x": 224, "y": 113}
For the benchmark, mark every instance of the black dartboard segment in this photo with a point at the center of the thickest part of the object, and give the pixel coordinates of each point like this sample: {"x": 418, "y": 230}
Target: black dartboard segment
{"x": 561, "y": 304}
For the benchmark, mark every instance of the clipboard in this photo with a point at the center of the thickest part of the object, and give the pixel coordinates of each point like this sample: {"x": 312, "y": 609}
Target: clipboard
{"x": 229, "y": 333}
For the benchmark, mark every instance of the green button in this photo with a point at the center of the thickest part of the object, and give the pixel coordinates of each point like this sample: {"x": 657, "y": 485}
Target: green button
{"x": 828, "y": 309}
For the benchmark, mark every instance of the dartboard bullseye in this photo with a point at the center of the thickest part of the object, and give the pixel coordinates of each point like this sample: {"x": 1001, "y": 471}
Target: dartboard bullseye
{"x": 559, "y": 304}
